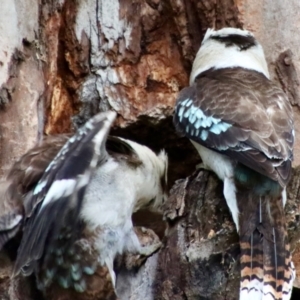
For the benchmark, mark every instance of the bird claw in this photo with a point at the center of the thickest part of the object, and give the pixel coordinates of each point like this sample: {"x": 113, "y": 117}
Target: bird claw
{"x": 150, "y": 244}
{"x": 144, "y": 253}
{"x": 202, "y": 166}
{"x": 175, "y": 205}
{"x": 151, "y": 249}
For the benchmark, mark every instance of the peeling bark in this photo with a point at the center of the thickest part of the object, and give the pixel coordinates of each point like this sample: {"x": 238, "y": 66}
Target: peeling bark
{"x": 110, "y": 55}
{"x": 200, "y": 256}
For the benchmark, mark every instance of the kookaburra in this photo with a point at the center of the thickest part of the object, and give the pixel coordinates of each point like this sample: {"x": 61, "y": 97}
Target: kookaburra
{"x": 241, "y": 124}
{"x": 78, "y": 195}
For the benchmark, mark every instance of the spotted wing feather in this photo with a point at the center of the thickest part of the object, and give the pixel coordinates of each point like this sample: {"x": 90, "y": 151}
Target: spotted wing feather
{"x": 15, "y": 190}
{"x": 242, "y": 114}
{"x": 27, "y": 171}
{"x": 57, "y": 198}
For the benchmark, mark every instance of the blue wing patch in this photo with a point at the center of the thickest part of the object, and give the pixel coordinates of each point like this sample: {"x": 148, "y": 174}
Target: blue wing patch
{"x": 58, "y": 196}
{"x": 198, "y": 124}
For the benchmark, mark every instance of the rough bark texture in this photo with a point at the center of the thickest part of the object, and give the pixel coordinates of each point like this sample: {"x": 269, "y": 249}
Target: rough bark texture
{"x": 61, "y": 61}
{"x": 21, "y": 79}
{"x": 200, "y": 256}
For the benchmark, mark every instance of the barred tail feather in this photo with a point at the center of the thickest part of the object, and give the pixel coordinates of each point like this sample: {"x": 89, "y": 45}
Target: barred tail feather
{"x": 252, "y": 275}
{"x": 289, "y": 277}
{"x": 267, "y": 272}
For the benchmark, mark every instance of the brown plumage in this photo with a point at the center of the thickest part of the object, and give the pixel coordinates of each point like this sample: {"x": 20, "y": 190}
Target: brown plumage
{"x": 15, "y": 191}
{"x": 241, "y": 124}
{"x": 95, "y": 279}
{"x": 22, "y": 178}
{"x": 259, "y": 115}
{"x": 76, "y": 262}
{"x": 26, "y": 172}
{"x": 265, "y": 256}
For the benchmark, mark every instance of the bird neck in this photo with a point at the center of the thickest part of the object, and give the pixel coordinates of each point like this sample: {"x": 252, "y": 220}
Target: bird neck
{"x": 258, "y": 183}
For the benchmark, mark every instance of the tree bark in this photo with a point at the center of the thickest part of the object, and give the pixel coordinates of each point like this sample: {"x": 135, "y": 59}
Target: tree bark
{"x": 61, "y": 61}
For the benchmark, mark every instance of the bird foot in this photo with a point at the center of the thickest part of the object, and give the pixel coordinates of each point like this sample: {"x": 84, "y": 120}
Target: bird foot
{"x": 150, "y": 244}
{"x": 202, "y": 166}
{"x": 147, "y": 251}
{"x": 175, "y": 205}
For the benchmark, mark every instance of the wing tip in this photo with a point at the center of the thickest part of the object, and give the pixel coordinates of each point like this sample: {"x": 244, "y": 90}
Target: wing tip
{"x": 27, "y": 256}
{"x": 109, "y": 115}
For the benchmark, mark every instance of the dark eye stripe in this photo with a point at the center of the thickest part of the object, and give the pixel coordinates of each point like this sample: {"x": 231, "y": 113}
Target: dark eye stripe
{"x": 241, "y": 41}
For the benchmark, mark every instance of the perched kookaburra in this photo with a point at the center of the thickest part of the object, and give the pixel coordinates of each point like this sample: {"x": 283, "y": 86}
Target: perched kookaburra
{"x": 241, "y": 124}
{"x": 80, "y": 195}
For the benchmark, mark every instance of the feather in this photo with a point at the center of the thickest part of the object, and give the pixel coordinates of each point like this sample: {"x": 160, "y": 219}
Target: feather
{"x": 22, "y": 177}
{"x": 27, "y": 170}
{"x": 245, "y": 133}
{"x": 266, "y": 268}
{"x": 16, "y": 191}
{"x": 70, "y": 243}
{"x": 267, "y": 271}
{"x": 242, "y": 114}
{"x": 56, "y": 205}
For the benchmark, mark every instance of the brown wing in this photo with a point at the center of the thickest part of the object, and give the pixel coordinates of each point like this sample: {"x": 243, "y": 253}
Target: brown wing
{"x": 27, "y": 171}
{"x": 242, "y": 114}
{"x": 55, "y": 221}
{"x": 22, "y": 177}
{"x": 16, "y": 190}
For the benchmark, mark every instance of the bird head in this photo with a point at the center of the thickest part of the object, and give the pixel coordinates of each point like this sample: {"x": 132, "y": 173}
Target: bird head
{"x": 229, "y": 48}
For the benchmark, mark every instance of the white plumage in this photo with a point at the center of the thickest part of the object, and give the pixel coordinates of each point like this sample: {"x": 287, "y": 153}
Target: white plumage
{"x": 78, "y": 214}
{"x": 213, "y": 54}
{"x": 241, "y": 124}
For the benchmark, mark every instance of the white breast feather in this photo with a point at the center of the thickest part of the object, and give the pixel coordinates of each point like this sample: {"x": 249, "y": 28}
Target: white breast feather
{"x": 114, "y": 193}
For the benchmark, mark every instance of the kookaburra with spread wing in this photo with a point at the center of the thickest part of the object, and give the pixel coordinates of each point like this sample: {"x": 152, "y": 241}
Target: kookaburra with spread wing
{"x": 241, "y": 124}
{"x": 80, "y": 195}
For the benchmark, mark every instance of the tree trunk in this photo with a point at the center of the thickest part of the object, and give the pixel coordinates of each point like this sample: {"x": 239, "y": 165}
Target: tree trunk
{"x": 61, "y": 61}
